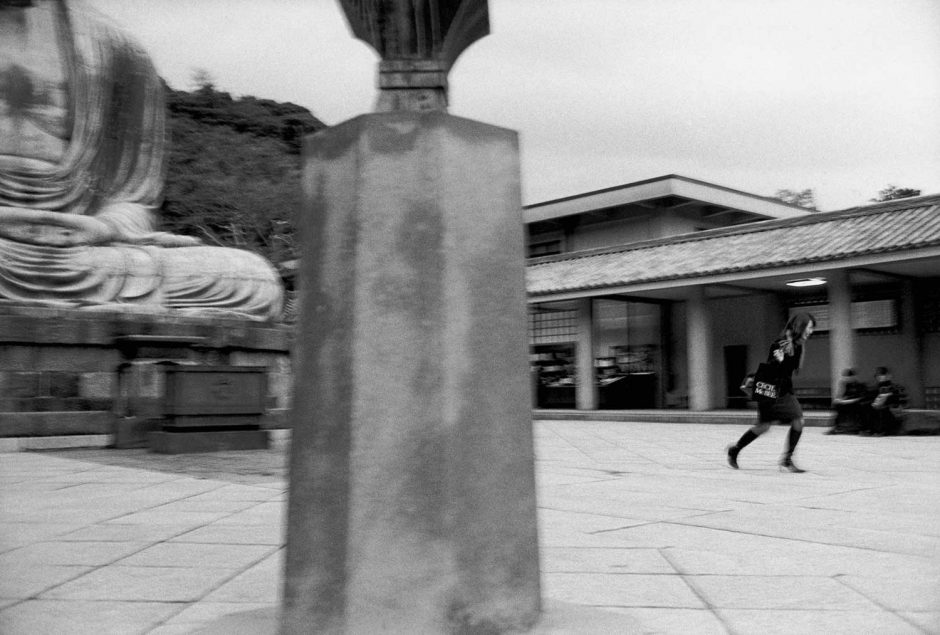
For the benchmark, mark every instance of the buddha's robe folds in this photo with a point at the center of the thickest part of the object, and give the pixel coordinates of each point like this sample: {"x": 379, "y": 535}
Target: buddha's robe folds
{"x": 82, "y": 151}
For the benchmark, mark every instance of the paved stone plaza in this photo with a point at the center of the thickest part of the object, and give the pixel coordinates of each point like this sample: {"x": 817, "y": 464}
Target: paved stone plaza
{"x": 641, "y": 520}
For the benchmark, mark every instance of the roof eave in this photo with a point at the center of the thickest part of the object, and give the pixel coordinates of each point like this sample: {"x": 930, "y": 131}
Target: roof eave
{"x": 650, "y": 189}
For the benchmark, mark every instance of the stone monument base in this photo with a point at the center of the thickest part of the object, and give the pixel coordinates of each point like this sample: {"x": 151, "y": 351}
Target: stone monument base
{"x": 134, "y": 432}
{"x": 164, "y": 442}
{"x": 69, "y": 371}
{"x": 557, "y": 618}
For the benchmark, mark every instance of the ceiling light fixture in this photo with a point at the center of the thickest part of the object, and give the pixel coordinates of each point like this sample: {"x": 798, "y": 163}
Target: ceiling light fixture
{"x": 806, "y": 282}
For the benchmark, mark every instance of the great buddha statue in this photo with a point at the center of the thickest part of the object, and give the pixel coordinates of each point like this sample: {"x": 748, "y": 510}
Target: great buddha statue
{"x": 82, "y": 152}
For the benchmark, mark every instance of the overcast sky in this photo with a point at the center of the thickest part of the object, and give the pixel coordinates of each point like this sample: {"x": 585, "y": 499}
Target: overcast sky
{"x": 841, "y": 96}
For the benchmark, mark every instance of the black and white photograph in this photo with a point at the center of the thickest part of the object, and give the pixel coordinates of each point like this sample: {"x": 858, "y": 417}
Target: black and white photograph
{"x": 469, "y": 317}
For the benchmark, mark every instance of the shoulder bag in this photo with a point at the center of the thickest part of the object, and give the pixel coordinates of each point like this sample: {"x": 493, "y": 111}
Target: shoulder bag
{"x": 766, "y": 382}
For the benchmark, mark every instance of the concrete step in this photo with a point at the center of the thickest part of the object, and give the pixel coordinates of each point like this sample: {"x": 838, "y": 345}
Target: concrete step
{"x": 820, "y": 418}
{"x": 55, "y": 423}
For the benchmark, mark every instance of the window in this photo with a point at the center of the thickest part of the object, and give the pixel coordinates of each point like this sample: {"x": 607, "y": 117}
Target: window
{"x": 545, "y": 248}
{"x": 928, "y": 305}
{"x": 869, "y": 315}
{"x": 552, "y": 324}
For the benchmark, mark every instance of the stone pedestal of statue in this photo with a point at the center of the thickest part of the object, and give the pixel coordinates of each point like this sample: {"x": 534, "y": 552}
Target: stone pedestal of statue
{"x": 412, "y": 496}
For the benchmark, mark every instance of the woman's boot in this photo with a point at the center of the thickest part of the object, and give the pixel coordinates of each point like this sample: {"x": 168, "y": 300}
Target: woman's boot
{"x": 786, "y": 463}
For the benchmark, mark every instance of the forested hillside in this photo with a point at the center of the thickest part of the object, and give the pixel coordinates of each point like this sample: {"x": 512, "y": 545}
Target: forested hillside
{"x": 233, "y": 174}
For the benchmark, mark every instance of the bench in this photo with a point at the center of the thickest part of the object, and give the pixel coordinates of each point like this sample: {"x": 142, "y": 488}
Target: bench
{"x": 814, "y": 397}
{"x": 921, "y": 422}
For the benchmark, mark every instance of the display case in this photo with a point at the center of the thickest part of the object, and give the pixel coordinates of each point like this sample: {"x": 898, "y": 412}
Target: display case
{"x": 555, "y": 375}
{"x": 626, "y": 379}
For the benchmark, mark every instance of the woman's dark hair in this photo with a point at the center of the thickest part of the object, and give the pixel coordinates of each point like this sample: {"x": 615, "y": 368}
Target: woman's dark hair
{"x": 794, "y": 329}
{"x": 798, "y": 324}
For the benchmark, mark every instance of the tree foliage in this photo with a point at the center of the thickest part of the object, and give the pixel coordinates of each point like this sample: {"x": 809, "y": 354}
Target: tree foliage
{"x": 802, "y": 198}
{"x": 892, "y": 192}
{"x": 233, "y": 173}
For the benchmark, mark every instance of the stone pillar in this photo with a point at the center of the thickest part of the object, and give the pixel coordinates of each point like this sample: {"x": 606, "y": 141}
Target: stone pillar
{"x": 841, "y": 333}
{"x": 586, "y": 391}
{"x": 912, "y": 351}
{"x": 699, "y": 336}
{"x": 412, "y": 495}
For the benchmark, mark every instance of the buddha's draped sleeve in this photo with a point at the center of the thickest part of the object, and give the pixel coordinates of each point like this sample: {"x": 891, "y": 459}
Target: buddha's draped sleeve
{"x": 113, "y": 168}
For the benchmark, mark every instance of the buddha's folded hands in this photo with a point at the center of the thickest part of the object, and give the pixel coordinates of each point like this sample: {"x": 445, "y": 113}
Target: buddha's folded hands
{"x": 56, "y": 229}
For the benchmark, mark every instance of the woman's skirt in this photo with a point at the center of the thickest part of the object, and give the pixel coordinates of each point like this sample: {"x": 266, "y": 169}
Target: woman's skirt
{"x": 784, "y": 409}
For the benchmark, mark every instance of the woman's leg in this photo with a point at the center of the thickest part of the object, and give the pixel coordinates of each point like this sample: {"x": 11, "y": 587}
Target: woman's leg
{"x": 796, "y": 431}
{"x": 752, "y": 433}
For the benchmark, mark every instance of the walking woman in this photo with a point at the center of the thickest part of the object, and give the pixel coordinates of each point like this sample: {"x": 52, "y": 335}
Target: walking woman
{"x": 786, "y": 358}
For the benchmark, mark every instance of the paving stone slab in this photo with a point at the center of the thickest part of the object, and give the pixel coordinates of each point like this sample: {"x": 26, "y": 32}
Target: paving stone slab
{"x": 797, "y": 558}
{"x": 927, "y": 620}
{"x": 234, "y": 535}
{"x": 145, "y": 584}
{"x": 14, "y": 535}
{"x": 155, "y": 517}
{"x": 200, "y": 615}
{"x": 660, "y": 620}
{"x": 804, "y": 622}
{"x": 206, "y": 504}
{"x": 611, "y": 590}
{"x": 24, "y": 580}
{"x": 603, "y": 560}
{"x": 902, "y": 591}
{"x": 778, "y": 592}
{"x": 266, "y": 513}
{"x": 182, "y": 554}
{"x": 35, "y": 617}
{"x": 92, "y": 554}
{"x": 112, "y": 532}
{"x": 238, "y": 493}
{"x": 260, "y": 583}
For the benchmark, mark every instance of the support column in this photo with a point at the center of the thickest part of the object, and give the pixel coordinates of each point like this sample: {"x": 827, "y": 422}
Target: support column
{"x": 586, "y": 391}
{"x": 412, "y": 486}
{"x": 699, "y": 336}
{"x": 911, "y": 349}
{"x": 841, "y": 333}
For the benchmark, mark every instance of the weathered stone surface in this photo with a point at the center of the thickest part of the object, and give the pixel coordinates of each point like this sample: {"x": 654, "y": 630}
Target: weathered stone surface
{"x": 196, "y": 442}
{"x": 99, "y": 385}
{"x": 61, "y": 384}
{"x": 19, "y": 385}
{"x": 60, "y": 326}
{"x": 412, "y": 502}
{"x": 50, "y": 423}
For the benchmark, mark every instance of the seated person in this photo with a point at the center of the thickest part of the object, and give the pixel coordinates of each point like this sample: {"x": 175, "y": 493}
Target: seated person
{"x": 850, "y": 405}
{"x": 82, "y": 151}
{"x": 887, "y": 404}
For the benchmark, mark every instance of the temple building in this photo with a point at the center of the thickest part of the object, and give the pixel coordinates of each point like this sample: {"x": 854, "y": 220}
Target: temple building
{"x": 664, "y": 293}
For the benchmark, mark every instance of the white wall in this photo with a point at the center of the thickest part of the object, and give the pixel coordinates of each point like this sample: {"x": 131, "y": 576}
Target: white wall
{"x": 612, "y": 233}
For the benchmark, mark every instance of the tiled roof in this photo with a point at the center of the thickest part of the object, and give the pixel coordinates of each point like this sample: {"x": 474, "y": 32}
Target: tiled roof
{"x": 894, "y": 226}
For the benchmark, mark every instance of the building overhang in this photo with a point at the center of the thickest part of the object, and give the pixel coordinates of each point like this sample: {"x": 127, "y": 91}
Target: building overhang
{"x": 671, "y": 185}
{"x": 896, "y": 239}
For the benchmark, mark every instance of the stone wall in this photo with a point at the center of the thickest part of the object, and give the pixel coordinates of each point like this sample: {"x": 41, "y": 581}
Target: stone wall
{"x": 60, "y": 369}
